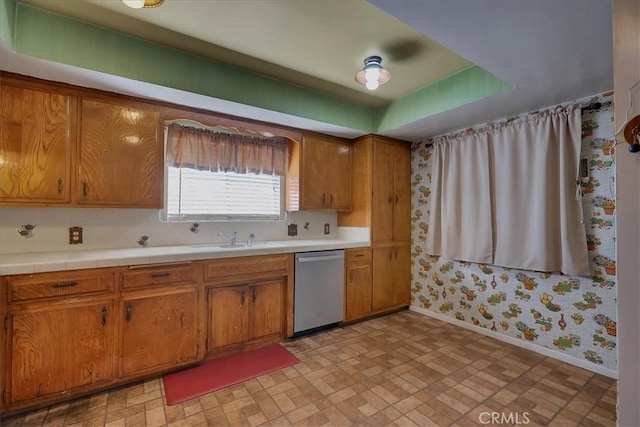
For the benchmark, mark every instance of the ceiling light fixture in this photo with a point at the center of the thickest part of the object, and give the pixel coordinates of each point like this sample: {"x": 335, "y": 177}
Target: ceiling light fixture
{"x": 373, "y": 75}
{"x": 139, "y": 4}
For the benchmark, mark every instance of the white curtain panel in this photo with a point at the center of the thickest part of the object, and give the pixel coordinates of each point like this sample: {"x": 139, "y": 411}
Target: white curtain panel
{"x": 506, "y": 195}
{"x": 460, "y": 224}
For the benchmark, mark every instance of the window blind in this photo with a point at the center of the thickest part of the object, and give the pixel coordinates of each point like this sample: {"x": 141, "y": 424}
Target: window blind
{"x": 203, "y": 195}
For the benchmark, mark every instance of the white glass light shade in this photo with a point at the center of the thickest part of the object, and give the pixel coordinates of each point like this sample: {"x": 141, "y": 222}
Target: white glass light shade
{"x": 373, "y": 75}
{"x": 134, "y": 4}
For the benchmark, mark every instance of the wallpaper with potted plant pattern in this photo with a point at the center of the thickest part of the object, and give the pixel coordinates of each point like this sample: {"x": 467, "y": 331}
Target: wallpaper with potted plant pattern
{"x": 573, "y": 315}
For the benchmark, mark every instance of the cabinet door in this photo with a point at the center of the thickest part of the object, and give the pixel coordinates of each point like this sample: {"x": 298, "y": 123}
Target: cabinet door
{"x": 35, "y": 142}
{"x": 159, "y": 331}
{"x": 56, "y": 350}
{"x": 313, "y": 192}
{"x": 267, "y": 309}
{"x": 358, "y": 291}
{"x": 338, "y": 175}
{"x": 402, "y": 272}
{"x": 383, "y": 278}
{"x": 228, "y": 316}
{"x": 402, "y": 193}
{"x": 120, "y": 156}
{"x": 383, "y": 192}
{"x": 391, "y": 277}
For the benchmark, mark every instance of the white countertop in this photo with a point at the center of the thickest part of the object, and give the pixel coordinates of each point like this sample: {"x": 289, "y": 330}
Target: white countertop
{"x": 37, "y": 262}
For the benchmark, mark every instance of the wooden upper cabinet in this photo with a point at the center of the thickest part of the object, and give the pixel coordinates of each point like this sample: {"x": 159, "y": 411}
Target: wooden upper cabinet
{"x": 120, "y": 155}
{"x": 35, "y": 145}
{"x": 325, "y": 174}
{"x": 391, "y": 207}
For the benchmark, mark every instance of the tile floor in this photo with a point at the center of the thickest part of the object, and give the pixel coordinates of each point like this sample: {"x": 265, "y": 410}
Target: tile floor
{"x": 404, "y": 369}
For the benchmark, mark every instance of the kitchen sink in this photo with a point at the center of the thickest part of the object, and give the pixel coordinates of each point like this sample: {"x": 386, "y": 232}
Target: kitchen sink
{"x": 237, "y": 245}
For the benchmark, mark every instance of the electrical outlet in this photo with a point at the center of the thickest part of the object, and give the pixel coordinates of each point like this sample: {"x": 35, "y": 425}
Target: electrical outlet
{"x": 75, "y": 235}
{"x": 327, "y": 228}
{"x": 292, "y": 230}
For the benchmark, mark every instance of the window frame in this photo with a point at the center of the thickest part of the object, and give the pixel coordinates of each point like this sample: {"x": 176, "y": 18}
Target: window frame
{"x": 164, "y": 212}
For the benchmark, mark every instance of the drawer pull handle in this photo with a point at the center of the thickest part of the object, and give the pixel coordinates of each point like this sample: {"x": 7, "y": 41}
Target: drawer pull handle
{"x": 359, "y": 255}
{"x": 128, "y": 312}
{"x": 65, "y": 285}
{"x": 104, "y": 316}
{"x": 159, "y": 275}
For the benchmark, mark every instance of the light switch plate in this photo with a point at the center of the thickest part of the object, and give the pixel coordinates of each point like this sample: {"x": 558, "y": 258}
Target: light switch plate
{"x": 327, "y": 228}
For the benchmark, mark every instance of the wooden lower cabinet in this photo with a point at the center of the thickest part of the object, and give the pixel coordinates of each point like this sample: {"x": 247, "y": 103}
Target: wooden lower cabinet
{"x": 357, "y": 284}
{"x": 243, "y": 313}
{"x": 391, "y": 277}
{"x": 57, "y": 349}
{"x": 159, "y": 330}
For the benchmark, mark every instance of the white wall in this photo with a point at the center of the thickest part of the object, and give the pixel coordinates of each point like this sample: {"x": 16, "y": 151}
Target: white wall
{"x": 626, "y": 22}
{"x": 120, "y": 228}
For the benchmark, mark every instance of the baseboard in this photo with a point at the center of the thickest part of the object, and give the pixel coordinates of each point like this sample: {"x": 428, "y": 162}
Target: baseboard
{"x": 520, "y": 343}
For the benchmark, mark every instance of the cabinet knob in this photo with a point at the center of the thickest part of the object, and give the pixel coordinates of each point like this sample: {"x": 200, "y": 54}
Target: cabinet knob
{"x": 242, "y": 296}
{"x": 253, "y": 294}
{"x": 60, "y": 186}
{"x": 324, "y": 199}
{"x": 104, "y": 316}
{"x": 331, "y": 199}
{"x": 396, "y": 199}
{"x": 128, "y": 312}
{"x": 85, "y": 189}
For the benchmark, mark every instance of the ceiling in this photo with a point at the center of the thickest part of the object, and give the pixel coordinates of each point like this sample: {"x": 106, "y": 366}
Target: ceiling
{"x": 539, "y": 52}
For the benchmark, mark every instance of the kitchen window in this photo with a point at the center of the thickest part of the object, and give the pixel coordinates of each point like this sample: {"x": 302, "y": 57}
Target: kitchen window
{"x": 216, "y": 175}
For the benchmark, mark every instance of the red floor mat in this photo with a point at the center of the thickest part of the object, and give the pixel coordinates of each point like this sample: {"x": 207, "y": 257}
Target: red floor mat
{"x": 226, "y": 371}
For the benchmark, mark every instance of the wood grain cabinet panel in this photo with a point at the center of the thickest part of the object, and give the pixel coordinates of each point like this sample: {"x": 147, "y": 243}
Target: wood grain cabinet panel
{"x": 358, "y": 288}
{"x": 56, "y": 350}
{"x": 267, "y": 309}
{"x": 228, "y": 316}
{"x": 325, "y": 174}
{"x": 159, "y": 330}
{"x": 391, "y": 208}
{"x": 35, "y": 146}
{"x": 391, "y": 277}
{"x": 119, "y": 155}
{"x": 244, "y": 313}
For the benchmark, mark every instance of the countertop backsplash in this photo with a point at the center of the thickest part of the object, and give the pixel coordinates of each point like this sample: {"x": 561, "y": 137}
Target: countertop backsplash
{"x": 111, "y": 228}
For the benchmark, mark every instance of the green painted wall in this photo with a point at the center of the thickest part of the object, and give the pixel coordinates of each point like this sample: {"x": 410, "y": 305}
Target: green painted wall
{"x": 7, "y": 20}
{"x": 461, "y": 88}
{"x": 53, "y": 37}
{"x": 38, "y": 33}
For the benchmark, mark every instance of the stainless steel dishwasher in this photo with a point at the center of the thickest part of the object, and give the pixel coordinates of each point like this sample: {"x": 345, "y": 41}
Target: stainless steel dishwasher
{"x": 318, "y": 291}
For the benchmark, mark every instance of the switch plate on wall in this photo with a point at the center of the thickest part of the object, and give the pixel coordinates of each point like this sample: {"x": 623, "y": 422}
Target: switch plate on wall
{"x": 292, "y": 230}
{"x": 327, "y": 228}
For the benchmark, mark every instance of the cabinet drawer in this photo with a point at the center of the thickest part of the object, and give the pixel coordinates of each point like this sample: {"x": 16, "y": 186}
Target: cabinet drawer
{"x": 243, "y": 266}
{"x": 358, "y": 255}
{"x": 150, "y": 275}
{"x": 47, "y": 285}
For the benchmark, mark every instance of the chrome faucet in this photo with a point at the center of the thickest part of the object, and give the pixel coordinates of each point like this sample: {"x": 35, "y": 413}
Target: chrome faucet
{"x": 233, "y": 237}
{"x": 250, "y": 239}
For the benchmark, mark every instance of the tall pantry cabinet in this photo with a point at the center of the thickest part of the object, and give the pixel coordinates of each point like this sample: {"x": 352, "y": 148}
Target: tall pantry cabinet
{"x": 381, "y": 200}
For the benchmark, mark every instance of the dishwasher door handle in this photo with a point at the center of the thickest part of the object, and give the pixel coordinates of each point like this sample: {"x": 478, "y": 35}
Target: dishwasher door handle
{"x": 320, "y": 258}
